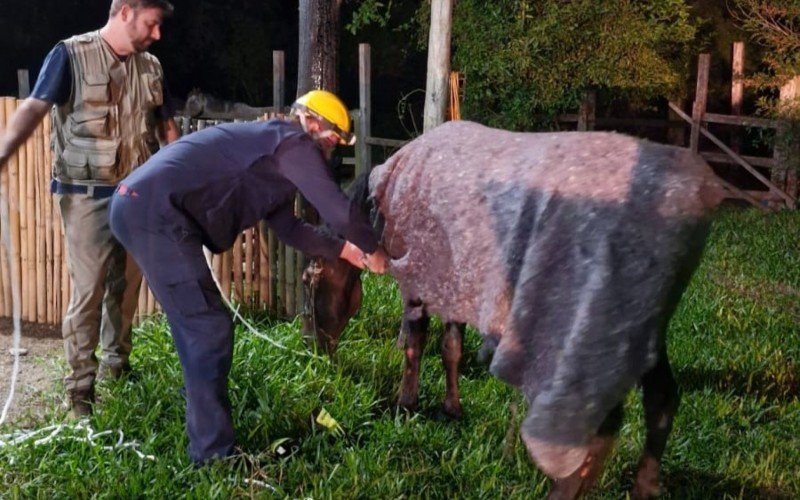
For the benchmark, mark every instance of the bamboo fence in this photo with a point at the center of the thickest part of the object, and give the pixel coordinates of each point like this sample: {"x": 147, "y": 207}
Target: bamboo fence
{"x": 258, "y": 273}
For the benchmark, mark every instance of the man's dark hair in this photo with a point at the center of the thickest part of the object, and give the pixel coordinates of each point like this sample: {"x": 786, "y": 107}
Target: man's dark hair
{"x": 164, "y": 5}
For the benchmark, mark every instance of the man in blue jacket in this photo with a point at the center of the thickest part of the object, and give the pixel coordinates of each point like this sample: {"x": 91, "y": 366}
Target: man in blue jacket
{"x": 203, "y": 190}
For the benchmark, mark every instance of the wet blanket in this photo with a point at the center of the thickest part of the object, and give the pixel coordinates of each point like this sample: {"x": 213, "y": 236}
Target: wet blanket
{"x": 568, "y": 251}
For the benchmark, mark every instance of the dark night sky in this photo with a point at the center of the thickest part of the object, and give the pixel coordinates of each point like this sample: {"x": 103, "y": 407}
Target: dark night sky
{"x": 223, "y": 48}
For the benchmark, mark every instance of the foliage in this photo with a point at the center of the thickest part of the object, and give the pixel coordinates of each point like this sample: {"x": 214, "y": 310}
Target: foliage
{"x": 775, "y": 24}
{"x": 369, "y": 12}
{"x": 733, "y": 344}
{"x": 524, "y": 58}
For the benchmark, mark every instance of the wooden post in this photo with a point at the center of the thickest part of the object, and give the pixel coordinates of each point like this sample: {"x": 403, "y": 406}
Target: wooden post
{"x": 438, "y": 80}
{"x": 278, "y": 81}
{"x": 586, "y": 114}
{"x": 361, "y": 147}
{"x": 787, "y": 145}
{"x": 700, "y": 98}
{"x": 676, "y": 131}
{"x": 737, "y": 78}
{"x": 365, "y": 114}
{"x": 737, "y": 90}
{"x": 23, "y": 83}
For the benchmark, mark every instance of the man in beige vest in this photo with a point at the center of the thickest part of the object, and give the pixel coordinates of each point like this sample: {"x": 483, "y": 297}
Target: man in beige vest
{"x": 110, "y": 111}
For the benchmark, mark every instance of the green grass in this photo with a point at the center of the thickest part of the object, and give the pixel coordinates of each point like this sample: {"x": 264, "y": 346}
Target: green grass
{"x": 734, "y": 345}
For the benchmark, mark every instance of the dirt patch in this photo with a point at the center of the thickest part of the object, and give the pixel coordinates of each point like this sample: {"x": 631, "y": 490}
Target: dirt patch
{"x": 40, "y": 371}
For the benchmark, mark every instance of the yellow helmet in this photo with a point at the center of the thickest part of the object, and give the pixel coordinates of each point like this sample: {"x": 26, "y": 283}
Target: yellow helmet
{"x": 325, "y": 106}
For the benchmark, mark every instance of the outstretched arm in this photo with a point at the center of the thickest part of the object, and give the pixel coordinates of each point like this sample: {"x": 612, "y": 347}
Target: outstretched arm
{"x": 311, "y": 240}
{"x": 22, "y": 124}
{"x": 301, "y": 162}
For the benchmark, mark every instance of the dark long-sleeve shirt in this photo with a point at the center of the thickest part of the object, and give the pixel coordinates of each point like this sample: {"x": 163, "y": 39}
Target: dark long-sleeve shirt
{"x": 225, "y": 179}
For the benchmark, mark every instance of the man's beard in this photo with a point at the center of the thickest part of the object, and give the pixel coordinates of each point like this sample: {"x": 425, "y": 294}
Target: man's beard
{"x": 141, "y": 45}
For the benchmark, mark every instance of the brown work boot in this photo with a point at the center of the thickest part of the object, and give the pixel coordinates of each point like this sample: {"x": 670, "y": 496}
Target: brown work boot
{"x": 81, "y": 402}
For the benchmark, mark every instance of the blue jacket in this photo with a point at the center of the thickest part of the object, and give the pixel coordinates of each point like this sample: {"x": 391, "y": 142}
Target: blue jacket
{"x": 225, "y": 179}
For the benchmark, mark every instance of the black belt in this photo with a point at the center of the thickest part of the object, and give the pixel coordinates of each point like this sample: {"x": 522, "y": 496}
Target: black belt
{"x": 97, "y": 192}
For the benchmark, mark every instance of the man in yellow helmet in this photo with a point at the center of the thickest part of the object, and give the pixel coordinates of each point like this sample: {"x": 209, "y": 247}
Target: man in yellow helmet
{"x": 204, "y": 190}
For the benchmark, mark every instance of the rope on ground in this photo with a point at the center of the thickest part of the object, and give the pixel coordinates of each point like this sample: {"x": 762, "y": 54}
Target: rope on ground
{"x": 82, "y": 433}
{"x": 54, "y": 432}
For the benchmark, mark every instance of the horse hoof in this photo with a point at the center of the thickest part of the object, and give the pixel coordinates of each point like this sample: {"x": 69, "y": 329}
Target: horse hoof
{"x": 446, "y": 415}
{"x": 647, "y": 479}
{"x": 567, "y": 488}
{"x": 407, "y": 404}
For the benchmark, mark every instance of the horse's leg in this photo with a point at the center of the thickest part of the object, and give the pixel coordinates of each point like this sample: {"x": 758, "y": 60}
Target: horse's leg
{"x": 582, "y": 480}
{"x": 416, "y": 336}
{"x": 660, "y": 401}
{"x": 452, "y": 342}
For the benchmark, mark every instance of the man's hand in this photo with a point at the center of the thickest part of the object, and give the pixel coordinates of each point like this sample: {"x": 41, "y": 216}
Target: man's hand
{"x": 377, "y": 261}
{"x": 353, "y": 255}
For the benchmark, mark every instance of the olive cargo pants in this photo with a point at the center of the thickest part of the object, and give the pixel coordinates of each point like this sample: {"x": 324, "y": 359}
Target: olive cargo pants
{"x": 105, "y": 290}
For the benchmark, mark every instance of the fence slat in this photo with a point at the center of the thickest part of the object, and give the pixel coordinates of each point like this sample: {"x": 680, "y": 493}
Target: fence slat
{"x": 5, "y": 278}
{"x": 238, "y": 275}
{"x": 14, "y": 206}
{"x": 249, "y": 268}
{"x": 41, "y": 268}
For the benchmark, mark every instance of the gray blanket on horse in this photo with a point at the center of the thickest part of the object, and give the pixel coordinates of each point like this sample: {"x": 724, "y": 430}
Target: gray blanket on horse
{"x": 568, "y": 251}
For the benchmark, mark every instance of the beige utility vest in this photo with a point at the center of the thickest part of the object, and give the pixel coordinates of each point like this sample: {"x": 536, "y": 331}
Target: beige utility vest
{"x": 107, "y": 128}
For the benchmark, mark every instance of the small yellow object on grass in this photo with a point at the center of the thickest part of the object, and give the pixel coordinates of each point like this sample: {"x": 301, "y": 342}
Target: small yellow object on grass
{"x": 326, "y": 420}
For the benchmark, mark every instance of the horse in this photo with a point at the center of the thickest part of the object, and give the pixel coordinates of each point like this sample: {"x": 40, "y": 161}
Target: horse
{"x": 568, "y": 251}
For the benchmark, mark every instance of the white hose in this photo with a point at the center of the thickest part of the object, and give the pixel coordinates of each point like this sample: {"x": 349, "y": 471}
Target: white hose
{"x": 250, "y": 327}
{"x": 11, "y": 272}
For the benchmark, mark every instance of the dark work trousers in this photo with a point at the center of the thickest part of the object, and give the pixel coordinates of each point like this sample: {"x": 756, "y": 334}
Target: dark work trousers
{"x": 170, "y": 255}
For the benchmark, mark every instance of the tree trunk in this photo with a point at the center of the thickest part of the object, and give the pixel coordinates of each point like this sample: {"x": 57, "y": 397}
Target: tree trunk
{"x": 318, "y": 56}
{"x": 437, "y": 87}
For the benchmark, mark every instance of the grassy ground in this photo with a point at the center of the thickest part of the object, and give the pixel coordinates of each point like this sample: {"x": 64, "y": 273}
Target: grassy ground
{"x": 734, "y": 344}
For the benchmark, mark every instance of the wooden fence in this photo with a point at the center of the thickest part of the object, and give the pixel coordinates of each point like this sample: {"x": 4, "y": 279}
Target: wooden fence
{"x": 779, "y": 183}
{"x": 259, "y": 272}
